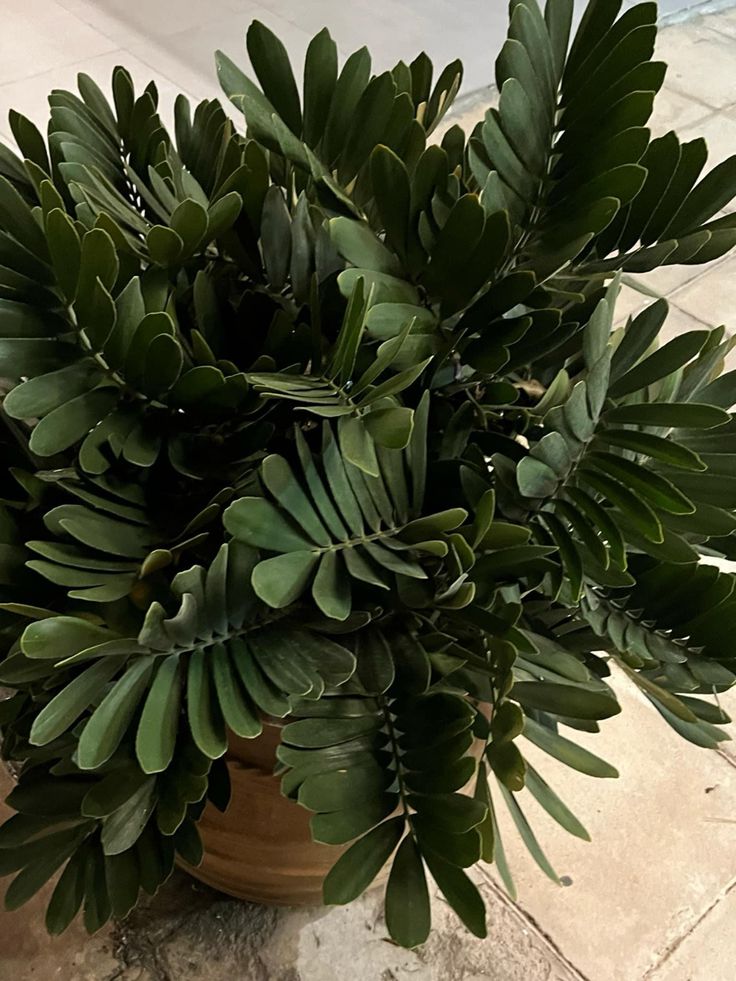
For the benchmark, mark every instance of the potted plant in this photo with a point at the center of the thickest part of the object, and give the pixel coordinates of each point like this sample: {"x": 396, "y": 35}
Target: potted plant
{"x": 321, "y": 445}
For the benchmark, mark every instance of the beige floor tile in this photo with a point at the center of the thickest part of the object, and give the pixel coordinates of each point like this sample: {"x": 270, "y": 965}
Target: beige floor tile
{"x": 657, "y": 859}
{"x": 709, "y": 952}
{"x": 678, "y": 322}
{"x": 199, "y": 79}
{"x": 630, "y": 301}
{"x": 724, "y": 23}
{"x": 30, "y": 96}
{"x": 712, "y": 297}
{"x": 188, "y": 57}
{"x": 40, "y": 35}
{"x": 667, "y": 279}
{"x": 95, "y": 14}
{"x": 673, "y": 110}
{"x": 701, "y": 63}
{"x": 719, "y": 132}
{"x": 159, "y": 18}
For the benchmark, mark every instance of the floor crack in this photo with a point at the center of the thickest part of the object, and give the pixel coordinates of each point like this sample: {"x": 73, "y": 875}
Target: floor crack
{"x": 670, "y": 949}
{"x": 531, "y": 924}
{"x": 725, "y": 755}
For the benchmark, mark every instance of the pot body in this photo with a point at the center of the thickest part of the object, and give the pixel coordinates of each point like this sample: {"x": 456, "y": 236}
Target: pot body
{"x": 261, "y": 848}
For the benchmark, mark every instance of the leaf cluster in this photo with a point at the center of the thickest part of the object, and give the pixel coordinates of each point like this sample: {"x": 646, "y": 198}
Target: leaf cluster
{"x": 327, "y": 420}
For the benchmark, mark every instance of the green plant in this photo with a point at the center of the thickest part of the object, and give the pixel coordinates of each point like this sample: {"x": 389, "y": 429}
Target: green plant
{"x": 331, "y": 423}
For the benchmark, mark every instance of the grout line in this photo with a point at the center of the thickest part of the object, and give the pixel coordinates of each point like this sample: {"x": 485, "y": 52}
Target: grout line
{"x": 725, "y": 755}
{"x": 696, "y": 320}
{"x": 533, "y": 926}
{"x": 134, "y": 36}
{"x": 671, "y": 948}
{"x": 179, "y": 86}
{"x": 67, "y": 64}
{"x": 722, "y": 34}
{"x": 706, "y": 270}
{"x": 689, "y": 97}
{"x": 81, "y": 21}
{"x": 671, "y": 295}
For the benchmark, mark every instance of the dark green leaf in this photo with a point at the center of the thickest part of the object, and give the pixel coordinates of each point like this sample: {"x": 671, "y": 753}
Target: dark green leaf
{"x": 357, "y": 868}
{"x": 107, "y": 726}
{"x": 566, "y": 700}
{"x": 460, "y": 892}
{"x": 408, "y": 915}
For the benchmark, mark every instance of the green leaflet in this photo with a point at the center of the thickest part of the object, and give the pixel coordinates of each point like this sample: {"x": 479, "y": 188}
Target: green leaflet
{"x": 66, "y": 707}
{"x": 124, "y": 826}
{"x": 556, "y": 808}
{"x": 156, "y": 737}
{"x": 566, "y": 700}
{"x": 104, "y": 731}
{"x": 567, "y": 751}
{"x": 461, "y": 893}
{"x": 61, "y": 637}
{"x": 407, "y": 897}
{"x": 356, "y": 869}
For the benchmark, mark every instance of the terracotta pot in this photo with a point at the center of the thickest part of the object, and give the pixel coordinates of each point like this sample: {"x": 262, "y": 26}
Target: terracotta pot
{"x": 261, "y": 848}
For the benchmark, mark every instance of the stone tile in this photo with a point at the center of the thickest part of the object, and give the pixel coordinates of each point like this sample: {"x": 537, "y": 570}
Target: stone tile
{"x": 719, "y": 132}
{"x": 472, "y": 31}
{"x": 669, "y": 282}
{"x": 709, "y": 951}
{"x": 670, "y": 8}
{"x": 96, "y": 14}
{"x": 125, "y": 19}
{"x": 701, "y": 63}
{"x": 657, "y": 859}
{"x": 30, "y": 96}
{"x": 712, "y": 297}
{"x": 724, "y": 23}
{"x": 667, "y": 279}
{"x": 188, "y": 57}
{"x": 672, "y": 110}
{"x": 199, "y": 80}
{"x": 678, "y": 322}
{"x": 351, "y": 26}
{"x": 192, "y": 933}
{"x": 40, "y": 35}
{"x": 631, "y": 302}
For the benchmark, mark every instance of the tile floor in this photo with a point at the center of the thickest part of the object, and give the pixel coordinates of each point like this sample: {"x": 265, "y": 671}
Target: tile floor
{"x": 46, "y": 42}
{"x": 654, "y": 896}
